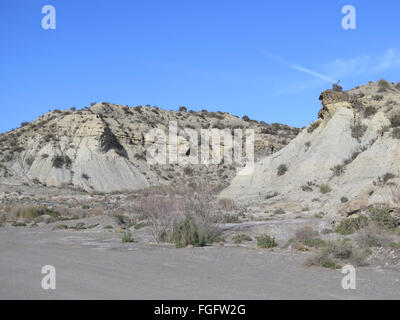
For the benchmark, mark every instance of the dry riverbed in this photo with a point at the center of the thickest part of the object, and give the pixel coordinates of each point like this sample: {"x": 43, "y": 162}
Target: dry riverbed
{"x": 97, "y": 265}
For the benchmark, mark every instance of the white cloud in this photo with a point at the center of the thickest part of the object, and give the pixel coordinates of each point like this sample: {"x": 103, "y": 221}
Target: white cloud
{"x": 365, "y": 64}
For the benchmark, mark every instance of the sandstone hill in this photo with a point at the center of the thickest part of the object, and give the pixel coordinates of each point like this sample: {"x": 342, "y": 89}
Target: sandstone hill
{"x": 102, "y": 148}
{"x": 347, "y": 160}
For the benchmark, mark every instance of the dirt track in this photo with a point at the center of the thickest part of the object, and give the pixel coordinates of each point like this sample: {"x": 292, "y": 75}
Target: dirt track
{"x": 99, "y": 266}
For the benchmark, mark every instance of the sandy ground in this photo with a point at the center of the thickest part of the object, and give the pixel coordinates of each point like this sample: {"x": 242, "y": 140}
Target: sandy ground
{"x": 99, "y": 266}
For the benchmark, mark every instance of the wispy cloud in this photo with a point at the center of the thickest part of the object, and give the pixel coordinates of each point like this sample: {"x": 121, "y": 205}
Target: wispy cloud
{"x": 299, "y": 68}
{"x": 364, "y": 64}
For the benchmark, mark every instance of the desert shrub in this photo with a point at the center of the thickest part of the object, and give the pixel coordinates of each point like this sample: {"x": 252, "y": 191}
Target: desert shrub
{"x": 398, "y": 86}
{"x": 357, "y": 129}
{"x": 350, "y": 225}
{"x": 388, "y": 176}
{"x": 336, "y": 253}
{"x": 140, "y": 225}
{"x": 167, "y": 213}
{"x": 19, "y": 224}
{"x": 396, "y": 133}
{"x": 265, "y": 241}
{"x": 182, "y": 109}
{"x": 24, "y": 124}
{"x": 338, "y": 170}
{"x": 231, "y": 218}
{"x": 246, "y": 118}
{"x": 319, "y": 215}
{"x": 322, "y": 260}
{"x": 306, "y": 188}
{"x": 384, "y": 84}
{"x": 282, "y": 168}
{"x": 79, "y": 226}
{"x": 61, "y": 161}
{"x": 337, "y": 88}
{"x": 108, "y": 227}
{"x": 383, "y": 218}
{"x": 395, "y": 120}
{"x": 377, "y": 97}
{"x": 358, "y": 105}
{"x": 374, "y": 236}
{"x": 189, "y": 233}
{"x": 279, "y": 211}
{"x": 28, "y": 213}
{"x": 29, "y": 160}
{"x": 344, "y": 199}
{"x": 369, "y": 111}
{"x": 306, "y": 232}
{"x": 218, "y": 125}
{"x": 188, "y": 171}
{"x": 239, "y": 238}
{"x": 313, "y": 126}
{"x": 140, "y": 156}
{"x": 85, "y": 176}
{"x": 127, "y": 237}
{"x": 44, "y": 156}
{"x": 324, "y": 188}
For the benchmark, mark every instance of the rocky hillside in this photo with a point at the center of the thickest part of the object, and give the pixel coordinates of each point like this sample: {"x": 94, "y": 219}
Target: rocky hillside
{"x": 102, "y": 148}
{"x": 346, "y": 160}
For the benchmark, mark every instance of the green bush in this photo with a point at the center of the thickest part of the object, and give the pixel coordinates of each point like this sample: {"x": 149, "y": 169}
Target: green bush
{"x": 61, "y": 161}
{"x": 369, "y": 111}
{"x": 334, "y": 253}
{"x": 358, "y": 129}
{"x": 239, "y": 238}
{"x": 383, "y": 218}
{"x": 384, "y": 84}
{"x": 18, "y": 224}
{"x": 338, "y": 170}
{"x": 265, "y": 241}
{"x": 188, "y": 233}
{"x": 127, "y": 237}
{"x": 350, "y": 225}
{"x": 28, "y": 213}
{"x": 306, "y": 188}
{"x": 344, "y": 199}
{"x": 325, "y": 188}
{"x": 313, "y": 126}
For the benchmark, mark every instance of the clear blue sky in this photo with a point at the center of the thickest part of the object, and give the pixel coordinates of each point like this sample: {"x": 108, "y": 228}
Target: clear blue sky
{"x": 255, "y": 58}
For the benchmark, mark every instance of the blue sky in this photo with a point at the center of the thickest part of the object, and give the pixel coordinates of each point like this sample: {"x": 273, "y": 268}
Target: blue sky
{"x": 264, "y": 59}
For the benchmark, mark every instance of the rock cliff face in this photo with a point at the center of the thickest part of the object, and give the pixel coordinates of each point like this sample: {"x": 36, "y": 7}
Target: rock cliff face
{"x": 103, "y": 148}
{"x": 349, "y": 158}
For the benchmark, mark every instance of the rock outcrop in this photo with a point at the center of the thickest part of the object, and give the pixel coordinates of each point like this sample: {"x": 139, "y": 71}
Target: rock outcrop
{"x": 348, "y": 159}
{"x": 103, "y": 148}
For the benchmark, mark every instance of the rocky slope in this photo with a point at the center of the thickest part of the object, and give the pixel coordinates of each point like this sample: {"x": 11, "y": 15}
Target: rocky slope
{"x": 102, "y": 148}
{"x": 346, "y": 160}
